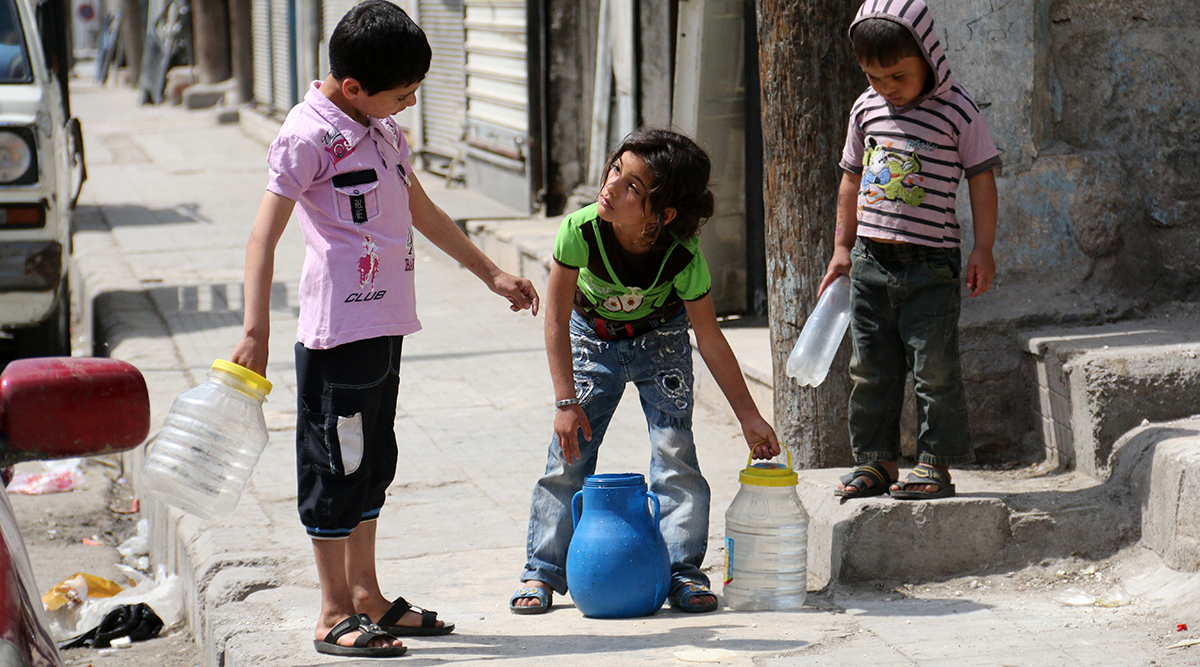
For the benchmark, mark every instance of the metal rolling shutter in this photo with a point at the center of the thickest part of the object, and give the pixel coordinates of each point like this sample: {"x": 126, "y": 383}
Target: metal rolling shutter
{"x": 443, "y": 103}
{"x": 274, "y": 24}
{"x": 497, "y": 95}
{"x": 332, "y": 11}
{"x": 497, "y": 100}
{"x": 261, "y": 25}
{"x": 283, "y": 50}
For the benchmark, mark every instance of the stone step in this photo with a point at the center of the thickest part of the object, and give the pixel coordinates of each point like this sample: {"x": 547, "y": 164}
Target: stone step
{"x": 1096, "y": 383}
{"x": 997, "y": 521}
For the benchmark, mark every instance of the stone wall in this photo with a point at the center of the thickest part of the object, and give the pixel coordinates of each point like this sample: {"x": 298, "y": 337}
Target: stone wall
{"x": 1095, "y": 108}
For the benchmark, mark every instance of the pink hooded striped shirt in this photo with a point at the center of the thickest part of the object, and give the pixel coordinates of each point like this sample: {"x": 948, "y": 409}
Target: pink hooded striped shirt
{"x": 912, "y": 158}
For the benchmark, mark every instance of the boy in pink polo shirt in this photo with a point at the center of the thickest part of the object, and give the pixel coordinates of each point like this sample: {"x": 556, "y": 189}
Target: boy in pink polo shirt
{"x": 341, "y": 157}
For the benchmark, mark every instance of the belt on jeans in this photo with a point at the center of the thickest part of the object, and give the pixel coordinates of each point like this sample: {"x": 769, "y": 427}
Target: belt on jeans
{"x": 610, "y": 330}
{"x": 903, "y": 252}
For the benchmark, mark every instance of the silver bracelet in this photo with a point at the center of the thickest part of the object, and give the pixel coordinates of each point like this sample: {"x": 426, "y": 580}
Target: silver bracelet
{"x": 565, "y": 402}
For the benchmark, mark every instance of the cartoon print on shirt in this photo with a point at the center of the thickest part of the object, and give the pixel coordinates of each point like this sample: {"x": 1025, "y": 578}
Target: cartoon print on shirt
{"x": 337, "y": 145}
{"x": 891, "y": 176}
{"x": 368, "y": 263}
{"x": 632, "y": 301}
{"x": 625, "y": 303}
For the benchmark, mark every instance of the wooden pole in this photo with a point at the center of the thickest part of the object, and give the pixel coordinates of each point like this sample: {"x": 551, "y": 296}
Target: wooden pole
{"x": 809, "y": 80}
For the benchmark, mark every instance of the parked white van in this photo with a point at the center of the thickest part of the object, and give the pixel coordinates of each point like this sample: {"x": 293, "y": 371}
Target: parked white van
{"x": 41, "y": 172}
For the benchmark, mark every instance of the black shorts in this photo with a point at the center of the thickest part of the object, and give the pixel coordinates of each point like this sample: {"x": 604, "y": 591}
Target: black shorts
{"x": 345, "y": 432}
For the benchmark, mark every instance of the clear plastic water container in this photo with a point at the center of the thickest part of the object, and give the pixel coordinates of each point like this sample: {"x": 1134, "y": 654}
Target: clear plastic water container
{"x": 822, "y": 334}
{"x": 766, "y": 541}
{"x": 210, "y": 441}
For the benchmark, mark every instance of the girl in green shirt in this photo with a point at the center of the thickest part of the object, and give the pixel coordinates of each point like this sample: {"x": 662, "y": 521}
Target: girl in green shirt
{"x": 627, "y": 279}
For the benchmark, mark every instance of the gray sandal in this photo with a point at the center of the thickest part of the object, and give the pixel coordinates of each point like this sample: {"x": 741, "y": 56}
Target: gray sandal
{"x": 545, "y": 596}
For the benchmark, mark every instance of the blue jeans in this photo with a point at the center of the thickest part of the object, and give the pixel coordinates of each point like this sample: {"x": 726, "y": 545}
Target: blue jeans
{"x": 904, "y": 304}
{"x": 659, "y": 364}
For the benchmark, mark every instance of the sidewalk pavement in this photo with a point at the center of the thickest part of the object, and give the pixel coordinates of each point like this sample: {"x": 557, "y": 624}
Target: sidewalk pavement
{"x": 160, "y": 245}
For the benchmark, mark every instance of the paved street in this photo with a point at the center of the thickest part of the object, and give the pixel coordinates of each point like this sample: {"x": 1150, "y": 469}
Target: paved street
{"x": 162, "y": 230}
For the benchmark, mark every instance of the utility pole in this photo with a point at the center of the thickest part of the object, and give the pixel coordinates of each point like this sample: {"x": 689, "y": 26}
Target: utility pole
{"x": 210, "y": 29}
{"x": 809, "y": 81}
{"x": 241, "y": 40}
{"x": 133, "y": 36}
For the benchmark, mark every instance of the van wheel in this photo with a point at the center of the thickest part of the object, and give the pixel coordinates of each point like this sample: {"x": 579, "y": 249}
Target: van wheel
{"x": 52, "y": 337}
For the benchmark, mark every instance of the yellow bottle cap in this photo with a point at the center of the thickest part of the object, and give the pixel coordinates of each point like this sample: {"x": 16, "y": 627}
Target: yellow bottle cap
{"x": 254, "y": 380}
{"x": 766, "y": 473}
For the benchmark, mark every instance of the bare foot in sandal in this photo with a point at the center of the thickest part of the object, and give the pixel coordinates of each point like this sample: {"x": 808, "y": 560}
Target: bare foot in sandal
{"x": 926, "y": 482}
{"x": 531, "y": 601}
{"x": 868, "y": 479}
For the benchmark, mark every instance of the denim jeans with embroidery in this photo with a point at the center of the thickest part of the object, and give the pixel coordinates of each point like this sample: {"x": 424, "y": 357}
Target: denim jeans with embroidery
{"x": 659, "y": 364}
{"x": 904, "y": 304}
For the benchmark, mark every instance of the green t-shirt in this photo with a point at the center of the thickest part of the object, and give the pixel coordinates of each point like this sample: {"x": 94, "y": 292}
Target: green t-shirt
{"x": 622, "y": 287}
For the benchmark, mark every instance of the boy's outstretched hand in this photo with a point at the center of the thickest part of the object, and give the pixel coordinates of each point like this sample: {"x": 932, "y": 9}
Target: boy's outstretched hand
{"x": 981, "y": 271}
{"x": 761, "y": 438}
{"x": 519, "y": 292}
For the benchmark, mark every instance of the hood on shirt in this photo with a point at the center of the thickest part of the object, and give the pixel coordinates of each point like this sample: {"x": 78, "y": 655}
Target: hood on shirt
{"x": 916, "y": 16}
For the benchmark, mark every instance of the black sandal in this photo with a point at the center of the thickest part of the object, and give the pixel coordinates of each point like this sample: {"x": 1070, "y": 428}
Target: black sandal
{"x": 367, "y": 631}
{"x": 428, "y": 627}
{"x": 925, "y": 474}
{"x": 856, "y": 481}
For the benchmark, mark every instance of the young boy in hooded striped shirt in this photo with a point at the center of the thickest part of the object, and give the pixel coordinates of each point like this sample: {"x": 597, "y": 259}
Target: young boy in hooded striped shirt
{"x": 912, "y": 136}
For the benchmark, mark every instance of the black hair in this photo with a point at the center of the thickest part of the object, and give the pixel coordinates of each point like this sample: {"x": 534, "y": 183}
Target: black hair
{"x": 378, "y": 45}
{"x": 680, "y": 170}
{"x": 883, "y": 42}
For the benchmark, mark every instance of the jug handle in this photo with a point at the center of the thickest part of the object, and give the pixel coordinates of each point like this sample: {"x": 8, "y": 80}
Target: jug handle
{"x": 576, "y": 503}
{"x": 750, "y": 458}
{"x": 654, "y": 501}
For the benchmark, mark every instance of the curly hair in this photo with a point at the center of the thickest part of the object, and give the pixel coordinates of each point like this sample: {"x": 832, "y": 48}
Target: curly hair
{"x": 680, "y": 171}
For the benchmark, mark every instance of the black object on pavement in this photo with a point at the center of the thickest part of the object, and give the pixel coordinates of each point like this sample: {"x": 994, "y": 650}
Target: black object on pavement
{"x": 136, "y": 621}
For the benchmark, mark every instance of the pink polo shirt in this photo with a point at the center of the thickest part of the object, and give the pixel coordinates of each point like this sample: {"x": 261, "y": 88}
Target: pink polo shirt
{"x": 351, "y": 186}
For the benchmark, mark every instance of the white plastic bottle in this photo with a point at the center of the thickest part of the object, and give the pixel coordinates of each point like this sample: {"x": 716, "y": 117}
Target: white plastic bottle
{"x": 766, "y": 541}
{"x": 821, "y": 335}
{"x": 210, "y": 441}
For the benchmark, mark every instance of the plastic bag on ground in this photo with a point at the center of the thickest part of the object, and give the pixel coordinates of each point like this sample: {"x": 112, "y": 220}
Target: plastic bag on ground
{"x": 163, "y": 594}
{"x": 139, "y": 544}
{"x": 1114, "y": 597}
{"x": 1073, "y": 597}
{"x": 127, "y": 623}
{"x": 59, "y": 476}
{"x": 75, "y": 589}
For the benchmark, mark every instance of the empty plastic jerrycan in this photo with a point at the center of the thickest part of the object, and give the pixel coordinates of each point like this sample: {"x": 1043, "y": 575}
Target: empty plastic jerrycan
{"x": 210, "y": 441}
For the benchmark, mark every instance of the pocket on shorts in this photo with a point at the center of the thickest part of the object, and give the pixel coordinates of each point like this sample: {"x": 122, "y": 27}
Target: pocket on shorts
{"x": 335, "y": 440}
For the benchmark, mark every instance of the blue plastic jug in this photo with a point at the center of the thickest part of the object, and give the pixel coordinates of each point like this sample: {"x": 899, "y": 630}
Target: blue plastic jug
{"x": 617, "y": 563}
